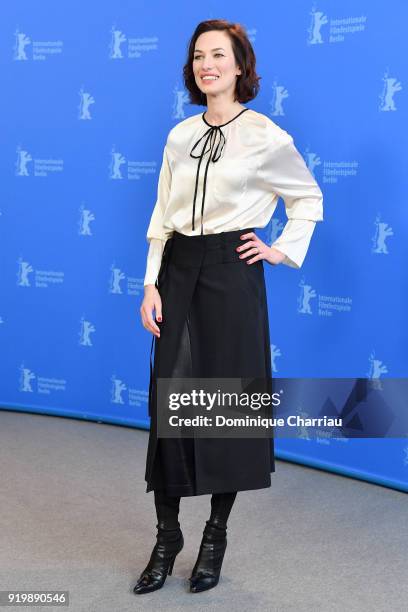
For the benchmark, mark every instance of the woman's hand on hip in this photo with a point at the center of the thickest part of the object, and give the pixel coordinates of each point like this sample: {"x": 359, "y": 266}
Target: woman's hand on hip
{"x": 151, "y": 300}
{"x": 255, "y": 249}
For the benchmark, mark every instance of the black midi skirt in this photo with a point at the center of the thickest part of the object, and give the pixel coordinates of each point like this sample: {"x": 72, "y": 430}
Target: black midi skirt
{"x": 215, "y": 325}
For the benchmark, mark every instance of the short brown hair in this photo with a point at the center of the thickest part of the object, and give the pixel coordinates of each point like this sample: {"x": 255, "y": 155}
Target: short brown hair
{"x": 247, "y": 85}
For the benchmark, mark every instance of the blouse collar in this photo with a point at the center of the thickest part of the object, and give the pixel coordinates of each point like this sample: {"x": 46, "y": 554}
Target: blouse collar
{"x": 215, "y": 137}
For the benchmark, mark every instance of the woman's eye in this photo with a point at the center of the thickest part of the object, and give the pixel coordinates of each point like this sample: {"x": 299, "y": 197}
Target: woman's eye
{"x": 198, "y": 56}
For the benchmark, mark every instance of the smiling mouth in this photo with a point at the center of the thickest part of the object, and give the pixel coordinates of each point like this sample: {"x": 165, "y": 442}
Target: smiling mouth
{"x": 209, "y": 78}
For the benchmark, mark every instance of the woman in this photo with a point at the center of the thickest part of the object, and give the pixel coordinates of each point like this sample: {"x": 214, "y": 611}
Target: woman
{"x": 222, "y": 174}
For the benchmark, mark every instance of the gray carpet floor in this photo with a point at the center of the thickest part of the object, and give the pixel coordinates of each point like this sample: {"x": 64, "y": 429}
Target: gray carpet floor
{"x": 75, "y": 516}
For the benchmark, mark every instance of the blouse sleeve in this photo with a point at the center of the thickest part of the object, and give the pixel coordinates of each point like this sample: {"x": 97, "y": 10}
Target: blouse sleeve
{"x": 287, "y": 175}
{"x": 157, "y": 234}
{"x": 154, "y": 257}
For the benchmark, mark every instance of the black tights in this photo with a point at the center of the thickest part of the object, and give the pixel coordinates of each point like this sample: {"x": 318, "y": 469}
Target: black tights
{"x": 168, "y": 506}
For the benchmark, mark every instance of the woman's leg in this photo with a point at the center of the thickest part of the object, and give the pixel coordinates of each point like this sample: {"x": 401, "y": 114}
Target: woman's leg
{"x": 207, "y": 568}
{"x": 167, "y": 509}
{"x": 169, "y": 543}
{"x": 221, "y": 506}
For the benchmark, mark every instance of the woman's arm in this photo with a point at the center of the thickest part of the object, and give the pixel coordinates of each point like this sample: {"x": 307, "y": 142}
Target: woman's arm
{"x": 285, "y": 173}
{"x": 294, "y": 241}
{"x": 154, "y": 257}
{"x": 156, "y": 234}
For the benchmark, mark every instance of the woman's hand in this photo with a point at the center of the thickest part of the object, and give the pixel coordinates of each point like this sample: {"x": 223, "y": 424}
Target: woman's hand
{"x": 259, "y": 249}
{"x": 151, "y": 300}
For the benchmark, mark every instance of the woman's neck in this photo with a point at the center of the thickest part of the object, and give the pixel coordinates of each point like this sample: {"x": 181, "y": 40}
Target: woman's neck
{"x": 218, "y": 114}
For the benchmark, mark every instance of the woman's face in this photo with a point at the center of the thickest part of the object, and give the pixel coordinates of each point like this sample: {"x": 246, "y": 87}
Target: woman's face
{"x": 214, "y": 57}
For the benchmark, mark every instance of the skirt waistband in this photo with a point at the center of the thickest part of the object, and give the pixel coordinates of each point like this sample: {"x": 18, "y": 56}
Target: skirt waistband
{"x": 211, "y": 239}
{"x": 204, "y": 249}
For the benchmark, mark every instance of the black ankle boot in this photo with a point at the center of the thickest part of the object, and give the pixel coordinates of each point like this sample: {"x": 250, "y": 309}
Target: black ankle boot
{"x": 169, "y": 544}
{"x": 207, "y": 568}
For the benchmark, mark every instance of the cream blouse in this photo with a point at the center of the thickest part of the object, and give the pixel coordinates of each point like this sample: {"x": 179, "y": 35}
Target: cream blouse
{"x": 230, "y": 177}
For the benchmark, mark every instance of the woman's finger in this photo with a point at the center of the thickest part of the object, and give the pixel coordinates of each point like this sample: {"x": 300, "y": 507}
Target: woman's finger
{"x": 254, "y": 259}
{"x": 249, "y": 236}
{"x": 148, "y": 322}
{"x": 152, "y": 325}
{"x": 158, "y": 308}
{"x": 253, "y": 251}
{"x": 247, "y": 245}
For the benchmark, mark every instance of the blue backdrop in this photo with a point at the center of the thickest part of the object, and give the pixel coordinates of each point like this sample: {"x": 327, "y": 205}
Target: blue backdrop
{"x": 90, "y": 91}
